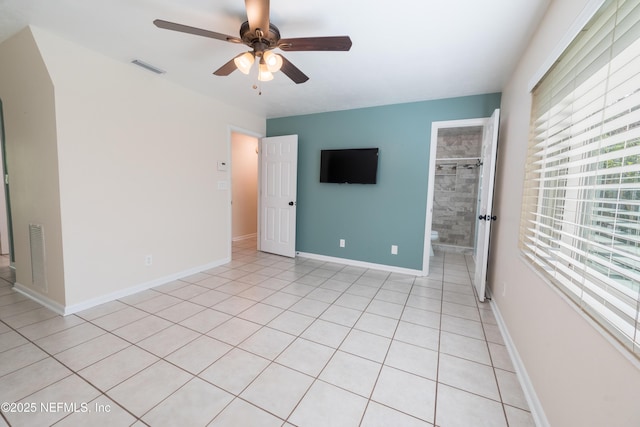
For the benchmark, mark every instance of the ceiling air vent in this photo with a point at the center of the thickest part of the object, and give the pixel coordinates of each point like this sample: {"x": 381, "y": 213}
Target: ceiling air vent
{"x": 148, "y": 66}
{"x": 36, "y": 242}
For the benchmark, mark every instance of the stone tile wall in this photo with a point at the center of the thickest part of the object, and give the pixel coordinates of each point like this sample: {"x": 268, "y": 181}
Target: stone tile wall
{"x": 456, "y": 186}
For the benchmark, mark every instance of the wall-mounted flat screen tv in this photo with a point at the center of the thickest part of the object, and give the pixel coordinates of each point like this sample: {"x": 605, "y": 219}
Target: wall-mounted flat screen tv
{"x": 349, "y": 166}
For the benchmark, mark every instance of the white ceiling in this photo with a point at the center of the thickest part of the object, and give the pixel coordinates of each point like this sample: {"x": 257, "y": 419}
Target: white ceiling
{"x": 403, "y": 50}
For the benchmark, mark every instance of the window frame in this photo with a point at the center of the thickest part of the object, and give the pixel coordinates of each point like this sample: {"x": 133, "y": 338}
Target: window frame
{"x": 568, "y": 204}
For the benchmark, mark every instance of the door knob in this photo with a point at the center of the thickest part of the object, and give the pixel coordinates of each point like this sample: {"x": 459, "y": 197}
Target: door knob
{"x": 291, "y": 203}
{"x": 482, "y": 217}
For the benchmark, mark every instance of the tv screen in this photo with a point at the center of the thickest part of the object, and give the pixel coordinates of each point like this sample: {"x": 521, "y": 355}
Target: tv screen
{"x": 350, "y": 166}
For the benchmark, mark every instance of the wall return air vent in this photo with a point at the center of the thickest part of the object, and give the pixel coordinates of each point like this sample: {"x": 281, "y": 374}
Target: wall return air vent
{"x": 36, "y": 242}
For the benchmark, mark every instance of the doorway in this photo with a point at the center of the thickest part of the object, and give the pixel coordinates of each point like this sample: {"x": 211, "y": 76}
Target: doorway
{"x": 455, "y": 199}
{"x": 456, "y": 167}
{"x": 445, "y": 163}
{"x": 263, "y": 192}
{"x": 462, "y": 168}
{"x": 244, "y": 189}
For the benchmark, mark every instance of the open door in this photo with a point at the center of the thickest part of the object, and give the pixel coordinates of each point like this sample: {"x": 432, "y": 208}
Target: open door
{"x": 485, "y": 215}
{"x": 278, "y": 185}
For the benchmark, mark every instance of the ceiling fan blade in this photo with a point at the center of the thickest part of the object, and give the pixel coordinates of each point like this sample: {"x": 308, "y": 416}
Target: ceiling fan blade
{"x": 258, "y": 14}
{"x": 341, "y": 43}
{"x": 197, "y": 31}
{"x": 227, "y": 68}
{"x": 292, "y": 71}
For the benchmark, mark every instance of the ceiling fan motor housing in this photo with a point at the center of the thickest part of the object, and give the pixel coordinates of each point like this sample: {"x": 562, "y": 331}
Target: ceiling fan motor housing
{"x": 258, "y": 40}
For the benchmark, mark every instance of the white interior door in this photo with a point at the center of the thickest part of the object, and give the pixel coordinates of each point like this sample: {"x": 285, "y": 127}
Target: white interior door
{"x": 485, "y": 215}
{"x": 278, "y": 184}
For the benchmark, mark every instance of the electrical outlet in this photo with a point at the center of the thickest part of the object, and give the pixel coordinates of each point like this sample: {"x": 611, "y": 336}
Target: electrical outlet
{"x": 148, "y": 260}
{"x": 342, "y": 243}
{"x": 394, "y": 249}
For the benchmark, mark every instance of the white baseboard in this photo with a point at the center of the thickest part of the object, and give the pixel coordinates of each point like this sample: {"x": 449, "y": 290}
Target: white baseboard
{"x": 537, "y": 412}
{"x": 84, "y": 305}
{"x": 362, "y": 264}
{"x": 245, "y": 237}
{"x": 39, "y": 298}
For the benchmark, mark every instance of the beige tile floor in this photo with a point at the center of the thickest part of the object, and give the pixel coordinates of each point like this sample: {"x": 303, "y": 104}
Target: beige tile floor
{"x": 265, "y": 341}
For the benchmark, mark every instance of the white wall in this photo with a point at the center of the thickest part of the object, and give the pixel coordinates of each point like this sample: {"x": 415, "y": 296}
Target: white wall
{"x": 27, "y": 95}
{"x": 244, "y": 178}
{"x": 137, "y": 170}
{"x": 580, "y": 377}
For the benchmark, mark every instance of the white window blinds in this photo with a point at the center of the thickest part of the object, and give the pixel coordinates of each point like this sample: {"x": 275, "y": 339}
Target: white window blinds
{"x": 581, "y": 206}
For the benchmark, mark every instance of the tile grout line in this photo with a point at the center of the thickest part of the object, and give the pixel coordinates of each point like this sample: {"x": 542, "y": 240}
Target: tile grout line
{"x": 255, "y": 302}
{"x": 435, "y": 399}
{"x": 317, "y": 377}
{"x": 493, "y": 368}
{"x": 271, "y": 362}
{"x": 73, "y": 372}
{"x": 163, "y": 358}
{"x": 384, "y": 359}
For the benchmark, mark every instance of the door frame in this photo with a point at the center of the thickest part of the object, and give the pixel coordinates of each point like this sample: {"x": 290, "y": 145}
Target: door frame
{"x": 5, "y": 182}
{"x": 230, "y": 130}
{"x": 435, "y": 128}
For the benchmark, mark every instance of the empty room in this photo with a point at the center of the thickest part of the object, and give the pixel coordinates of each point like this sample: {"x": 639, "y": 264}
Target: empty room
{"x": 349, "y": 214}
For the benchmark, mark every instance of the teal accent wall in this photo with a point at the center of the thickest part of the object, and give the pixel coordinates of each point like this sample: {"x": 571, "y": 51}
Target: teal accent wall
{"x": 371, "y": 218}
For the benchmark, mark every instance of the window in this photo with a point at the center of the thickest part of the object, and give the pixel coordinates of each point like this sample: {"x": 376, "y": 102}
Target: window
{"x": 581, "y": 205}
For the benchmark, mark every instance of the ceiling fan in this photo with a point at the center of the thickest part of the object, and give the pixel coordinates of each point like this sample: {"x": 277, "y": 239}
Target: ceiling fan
{"x": 263, "y": 37}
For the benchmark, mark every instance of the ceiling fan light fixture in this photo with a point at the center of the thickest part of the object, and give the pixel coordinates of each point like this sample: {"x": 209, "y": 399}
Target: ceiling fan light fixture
{"x": 273, "y": 61}
{"x": 244, "y": 62}
{"x": 264, "y": 75}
